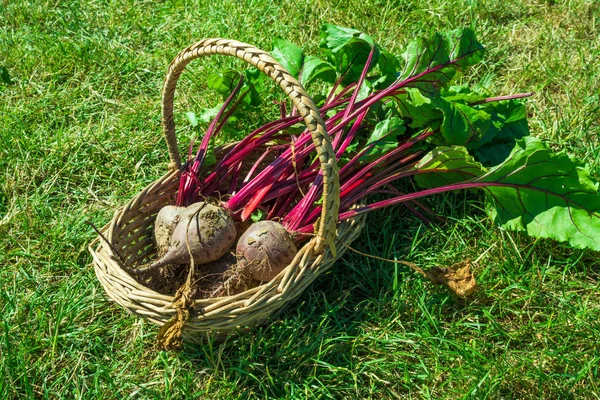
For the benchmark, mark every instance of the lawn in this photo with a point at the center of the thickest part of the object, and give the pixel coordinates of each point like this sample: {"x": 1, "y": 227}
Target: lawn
{"x": 80, "y": 135}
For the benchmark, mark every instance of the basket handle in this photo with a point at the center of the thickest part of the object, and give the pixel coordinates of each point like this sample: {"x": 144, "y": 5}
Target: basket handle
{"x": 326, "y": 230}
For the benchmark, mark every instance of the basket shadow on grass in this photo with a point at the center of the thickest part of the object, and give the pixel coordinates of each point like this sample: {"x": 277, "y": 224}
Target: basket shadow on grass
{"x": 367, "y": 317}
{"x": 358, "y": 296}
{"x": 369, "y": 326}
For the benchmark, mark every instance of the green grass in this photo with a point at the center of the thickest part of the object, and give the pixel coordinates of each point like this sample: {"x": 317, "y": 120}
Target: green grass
{"x": 80, "y": 135}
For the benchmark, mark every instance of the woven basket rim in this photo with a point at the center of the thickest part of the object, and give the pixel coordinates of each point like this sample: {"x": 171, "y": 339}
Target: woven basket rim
{"x": 127, "y": 232}
{"x": 145, "y": 302}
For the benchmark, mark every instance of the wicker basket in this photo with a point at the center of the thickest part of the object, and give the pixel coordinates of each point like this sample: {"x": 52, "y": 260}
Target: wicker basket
{"x": 127, "y": 242}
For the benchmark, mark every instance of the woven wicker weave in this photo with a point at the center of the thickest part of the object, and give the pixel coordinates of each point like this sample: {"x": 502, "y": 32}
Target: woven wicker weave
{"x": 128, "y": 237}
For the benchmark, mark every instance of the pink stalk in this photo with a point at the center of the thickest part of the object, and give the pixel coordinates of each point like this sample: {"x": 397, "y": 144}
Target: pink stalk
{"x": 234, "y": 180}
{"x": 255, "y": 201}
{"x": 268, "y": 131}
{"x": 257, "y": 164}
{"x": 281, "y": 205}
{"x": 392, "y": 90}
{"x": 275, "y": 177}
{"x": 351, "y": 135}
{"x": 252, "y": 186}
{"x": 501, "y": 98}
{"x": 237, "y": 154}
{"x": 406, "y": 197}
{"x": 351, "y": 103}
{"x": 415, "y": 195}
{"x": 298, "y": 213}
{"x": 398, "y": 150}
{"x": 332, "y": 91}
{"x": 290, "y": 185}
{"x": 282, "y": 110}
{"x": 371, "y": 185}
{"x": 250, "y": 143}
{"x": 343, "y": 93}
{"x": 242, "y": 196}
{"x": 230, "y": 112}
{"x": 189, "y": 182}
{"x": 368, "y": 184}
{"x": 416, "y": 213}
{"x": 263, "y": 177}
{"x": 361, "y": 80}
{"x": 201, "y": 155}
{"x": 396, "y": 192}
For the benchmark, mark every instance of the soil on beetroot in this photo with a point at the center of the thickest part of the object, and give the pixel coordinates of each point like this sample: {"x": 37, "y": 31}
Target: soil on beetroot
{"x": 222, "y": 277}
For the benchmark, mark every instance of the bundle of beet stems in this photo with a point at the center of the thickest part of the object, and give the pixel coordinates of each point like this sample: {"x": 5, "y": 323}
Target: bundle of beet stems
{"x": 393, "y": 124}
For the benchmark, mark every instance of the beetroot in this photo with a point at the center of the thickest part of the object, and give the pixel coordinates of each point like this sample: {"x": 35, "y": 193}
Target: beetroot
{"x": 265, "y": 249}
{"x": 166, "y": 221}
{"x": 202, "y": 231}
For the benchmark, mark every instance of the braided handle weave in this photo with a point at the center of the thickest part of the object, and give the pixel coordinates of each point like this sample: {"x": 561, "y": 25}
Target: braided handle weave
{"x": 326, "y": 230}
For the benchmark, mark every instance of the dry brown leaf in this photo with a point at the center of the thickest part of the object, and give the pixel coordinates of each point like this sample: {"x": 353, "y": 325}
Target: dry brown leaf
{"x": 457, "y": 277}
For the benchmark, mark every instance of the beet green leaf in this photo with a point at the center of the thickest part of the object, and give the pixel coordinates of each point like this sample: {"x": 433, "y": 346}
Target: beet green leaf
{"x": 445, "y": 166}
{"x": 384, "y": 138}
{"x": 315, "y": 68}
{"x": 289, "y": 55}
{"x": 547, "y": 194}
{"x": 508, "y": 124}
{"x": 431, "y": 63}
{"x": 224, "y": 83}
{"x": 348, "y": 50}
